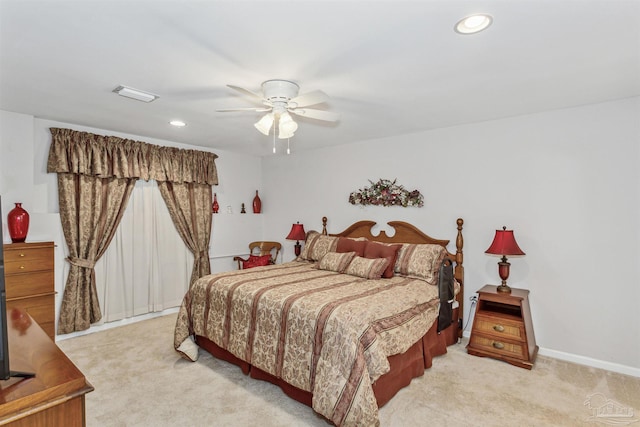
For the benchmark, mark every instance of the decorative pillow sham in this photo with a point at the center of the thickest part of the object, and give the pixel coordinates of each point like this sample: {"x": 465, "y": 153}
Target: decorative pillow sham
{"x": 346, "y": 244}
{"x": 318, "y": 245}
{"x": 256, "y": 261}
{"x": 311, "y": 235}
{"x": 380, "y": 250}
{"x": 336, "y": 261}
{"x": 368, "y": 268}
{"x": 420, "y": 260}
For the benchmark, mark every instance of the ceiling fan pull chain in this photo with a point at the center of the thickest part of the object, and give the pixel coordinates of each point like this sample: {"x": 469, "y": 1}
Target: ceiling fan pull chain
{"x": 288, "y": 147}
{"x": 274, "y": 140}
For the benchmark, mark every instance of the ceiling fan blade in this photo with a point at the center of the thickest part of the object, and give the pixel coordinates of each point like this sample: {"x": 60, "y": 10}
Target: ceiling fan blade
{"x": 247, "y": 92}
{"x": 311, "y": 98}
{"x": 258, "y": 109}
{"x": 316, "y": 114}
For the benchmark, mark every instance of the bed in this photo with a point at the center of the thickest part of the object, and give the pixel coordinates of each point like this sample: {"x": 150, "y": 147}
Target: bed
{"x": 343, "y": 327}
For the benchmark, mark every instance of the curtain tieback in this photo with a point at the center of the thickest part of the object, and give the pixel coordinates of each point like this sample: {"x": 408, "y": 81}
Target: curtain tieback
{"x": 203, "y": 253}
{"x": 84, "y": 263}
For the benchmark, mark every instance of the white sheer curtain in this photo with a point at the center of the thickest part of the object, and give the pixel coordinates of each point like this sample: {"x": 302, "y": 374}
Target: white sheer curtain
{"x": 147, "y": 266}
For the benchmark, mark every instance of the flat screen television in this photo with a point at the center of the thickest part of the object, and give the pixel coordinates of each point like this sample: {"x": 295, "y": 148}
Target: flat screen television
{"x": 5, "y": 371}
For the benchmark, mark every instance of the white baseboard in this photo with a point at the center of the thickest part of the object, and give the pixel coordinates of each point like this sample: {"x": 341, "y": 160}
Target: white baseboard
{"x": 583, "y": 360}
{"x": 115, "y": 324}
{"x": 588, "y": 361}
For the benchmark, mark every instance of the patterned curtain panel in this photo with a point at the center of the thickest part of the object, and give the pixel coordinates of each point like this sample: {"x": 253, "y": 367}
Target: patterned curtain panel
{"x": 90, "y": 211}
{"x": 190, "y": 209}
{"x": 96, "y": 175}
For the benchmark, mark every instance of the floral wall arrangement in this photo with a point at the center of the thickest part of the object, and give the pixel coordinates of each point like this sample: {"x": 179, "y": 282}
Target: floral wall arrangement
{"x": 386, "y": 193}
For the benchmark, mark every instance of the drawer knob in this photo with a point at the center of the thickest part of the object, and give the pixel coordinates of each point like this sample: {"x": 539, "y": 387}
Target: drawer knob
{"x": 21, "y": 255}
{"x": 498, "y": 345}
{"x": 498, "y": 328}
{"x": 22, "y": 267}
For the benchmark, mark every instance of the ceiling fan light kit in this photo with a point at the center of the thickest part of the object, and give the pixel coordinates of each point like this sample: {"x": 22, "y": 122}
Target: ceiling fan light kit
{"x": 265, "y": 123}
{"x": 280, "y": 99}
{"x": 286, "y": 126}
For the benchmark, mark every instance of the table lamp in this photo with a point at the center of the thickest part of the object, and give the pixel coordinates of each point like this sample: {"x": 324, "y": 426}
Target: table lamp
{"x": 297, "y": 233}
{"x": 504, "y": 243}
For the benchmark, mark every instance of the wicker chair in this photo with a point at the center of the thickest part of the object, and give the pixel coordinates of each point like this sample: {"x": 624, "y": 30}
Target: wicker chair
{"x": 259, "y": 249}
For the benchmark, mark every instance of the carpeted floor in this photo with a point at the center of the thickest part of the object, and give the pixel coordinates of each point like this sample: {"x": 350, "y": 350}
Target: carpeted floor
{"x": 140, "y": 380}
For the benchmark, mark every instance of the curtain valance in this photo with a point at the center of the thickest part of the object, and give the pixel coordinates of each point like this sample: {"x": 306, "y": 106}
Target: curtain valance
{"x": 109, "y": 156}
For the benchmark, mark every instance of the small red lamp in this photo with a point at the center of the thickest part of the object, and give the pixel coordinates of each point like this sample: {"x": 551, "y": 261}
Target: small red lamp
{"x": 297, "y": 233}
{"x": 504, "y": 243}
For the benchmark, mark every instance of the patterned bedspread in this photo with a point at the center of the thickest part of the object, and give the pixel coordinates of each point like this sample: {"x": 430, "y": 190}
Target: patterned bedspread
{"x": 320, "y": 331}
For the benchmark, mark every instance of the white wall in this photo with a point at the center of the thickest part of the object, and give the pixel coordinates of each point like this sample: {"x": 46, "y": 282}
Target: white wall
{"x": 24, "y": 147}
{"x": 567, "y": 182}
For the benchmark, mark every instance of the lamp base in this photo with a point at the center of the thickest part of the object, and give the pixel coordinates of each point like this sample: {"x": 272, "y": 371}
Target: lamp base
{"x": 504, "y": 288}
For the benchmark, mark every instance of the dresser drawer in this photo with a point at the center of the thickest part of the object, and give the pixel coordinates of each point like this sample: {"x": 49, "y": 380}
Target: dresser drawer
{"x": 40, "y": 308}
{"x": 501, "y": 328}
{"x": 27, "y": 260}
{"x": 498, "y": 347}
{"x": 24, "y": 285}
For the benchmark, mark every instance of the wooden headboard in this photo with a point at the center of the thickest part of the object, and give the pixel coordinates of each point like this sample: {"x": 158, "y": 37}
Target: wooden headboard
{"x": 407, "y": 233}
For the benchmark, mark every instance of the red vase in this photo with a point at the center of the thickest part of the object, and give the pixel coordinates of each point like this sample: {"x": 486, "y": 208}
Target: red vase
{"x": 215, "y": 206}
{"x": 18, "y": 222}
{"x": 257, "y": 203}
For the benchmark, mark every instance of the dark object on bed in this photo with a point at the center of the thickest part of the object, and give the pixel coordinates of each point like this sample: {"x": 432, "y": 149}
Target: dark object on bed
{"x": 446, "y": 287}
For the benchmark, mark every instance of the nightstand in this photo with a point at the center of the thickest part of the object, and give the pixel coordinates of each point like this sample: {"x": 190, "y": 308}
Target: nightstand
{"x": 502, "y": 327}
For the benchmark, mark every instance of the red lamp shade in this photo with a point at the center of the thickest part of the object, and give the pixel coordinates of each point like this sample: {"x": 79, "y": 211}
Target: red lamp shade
{"x": 297, "y": 233}
{"x": 504, "y": 243}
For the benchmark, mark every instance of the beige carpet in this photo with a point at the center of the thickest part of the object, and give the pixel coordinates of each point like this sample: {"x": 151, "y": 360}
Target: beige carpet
{"x": 140, "y": 381}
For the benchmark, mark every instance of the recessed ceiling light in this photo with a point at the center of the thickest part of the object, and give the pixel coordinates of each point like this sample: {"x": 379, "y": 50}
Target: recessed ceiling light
{"x": 473, "y": 24}
{"x": 139, "y": 95}
{"x": 177, "y": 123}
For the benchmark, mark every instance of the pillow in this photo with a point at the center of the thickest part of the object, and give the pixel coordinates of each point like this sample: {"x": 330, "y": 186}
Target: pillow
{"x": 256, "y": 261}
{"x": 346, "y": 244}
{"x": 379, "y": 250}
{"x": 309, "y": 238}
{"x": 336, "y": 261}
{"x": 369, "y": 268}
{"x": 421, "y": 261}
{"x": 317, "y": 245}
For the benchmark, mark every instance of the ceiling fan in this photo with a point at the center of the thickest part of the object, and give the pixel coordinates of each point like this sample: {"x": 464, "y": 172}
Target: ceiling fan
{"x": 279, "y": 98}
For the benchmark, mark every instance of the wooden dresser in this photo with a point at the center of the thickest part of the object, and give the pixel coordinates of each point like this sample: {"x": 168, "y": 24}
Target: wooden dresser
{"x": 29, "y": 278}
{"x": 502, "y": 327}
{"x": 55, "y": 397}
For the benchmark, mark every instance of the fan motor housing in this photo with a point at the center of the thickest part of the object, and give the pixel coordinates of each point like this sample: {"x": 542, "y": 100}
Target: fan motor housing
{"x": 279, "y": 90}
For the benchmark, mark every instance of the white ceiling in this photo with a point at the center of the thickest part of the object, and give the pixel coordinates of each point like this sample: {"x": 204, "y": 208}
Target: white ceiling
{"x": 390, "y": 67}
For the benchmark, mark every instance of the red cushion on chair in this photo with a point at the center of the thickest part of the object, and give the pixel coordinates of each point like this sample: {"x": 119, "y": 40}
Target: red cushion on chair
{"x": 256, "y": 261}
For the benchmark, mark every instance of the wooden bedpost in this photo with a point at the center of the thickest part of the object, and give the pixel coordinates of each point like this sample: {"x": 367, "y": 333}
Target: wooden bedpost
{"x": 324, "y": 225}
{"x": 459, "y": 275}
{"x": 459, "y": 242}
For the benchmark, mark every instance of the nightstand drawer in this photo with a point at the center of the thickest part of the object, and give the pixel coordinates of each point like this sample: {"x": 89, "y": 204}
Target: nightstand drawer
{"x": 499, "y": 327}
{"x": 499, "y": 347}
